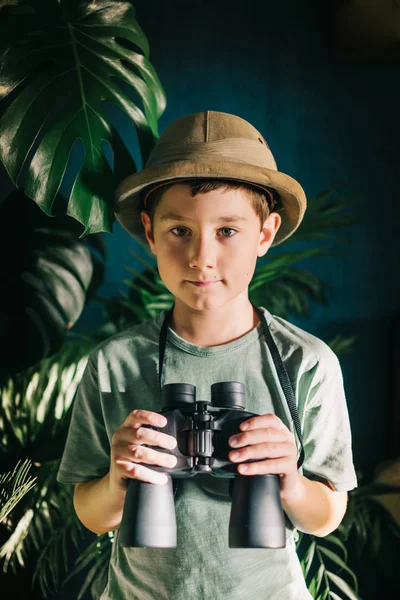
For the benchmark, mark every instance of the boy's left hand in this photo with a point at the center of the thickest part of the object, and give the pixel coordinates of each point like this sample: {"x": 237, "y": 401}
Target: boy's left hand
{"x": 267, "y": 437}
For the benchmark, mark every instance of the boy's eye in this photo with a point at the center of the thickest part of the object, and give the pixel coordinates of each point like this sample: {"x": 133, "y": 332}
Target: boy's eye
{"x": 229, "y": 229}
{"x": 178, "y": 229}
{"x": 181, "y": 231}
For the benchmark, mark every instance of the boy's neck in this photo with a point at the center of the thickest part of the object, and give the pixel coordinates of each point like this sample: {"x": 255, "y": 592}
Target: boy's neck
{"x": 214, "y": 327}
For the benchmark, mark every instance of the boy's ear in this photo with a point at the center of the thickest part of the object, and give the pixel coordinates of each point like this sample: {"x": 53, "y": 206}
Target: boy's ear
{"x": 268, "y": 232}
{"x": 148, "y": 231}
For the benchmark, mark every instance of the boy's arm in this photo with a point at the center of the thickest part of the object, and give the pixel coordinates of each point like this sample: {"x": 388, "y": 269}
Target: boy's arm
{"x": 313, "y": 507}
{"x": 97, "y": 507}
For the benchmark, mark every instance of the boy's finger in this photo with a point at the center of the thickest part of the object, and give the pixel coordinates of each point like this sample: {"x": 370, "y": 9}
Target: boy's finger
{"x": 263, "y": 421}
{"x": 140, "y": 416}
{"x": 141, "y": 473}
{"x": 259, "y": 436}
{"x": 145, "y": 435}
{"x": 142, "y": 454}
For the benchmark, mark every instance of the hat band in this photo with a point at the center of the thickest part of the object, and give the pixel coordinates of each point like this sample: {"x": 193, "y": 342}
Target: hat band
{"x": 249, "y": 152}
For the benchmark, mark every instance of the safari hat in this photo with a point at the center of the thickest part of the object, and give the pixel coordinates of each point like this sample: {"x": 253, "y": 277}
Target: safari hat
{"x": 207, "y": 145}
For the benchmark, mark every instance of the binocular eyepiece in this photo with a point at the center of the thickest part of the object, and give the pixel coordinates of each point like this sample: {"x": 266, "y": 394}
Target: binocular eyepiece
{"x": 202, "y": 430}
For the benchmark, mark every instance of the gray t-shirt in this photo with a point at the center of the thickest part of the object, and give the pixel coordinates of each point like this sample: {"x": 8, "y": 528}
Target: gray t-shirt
{"x": 122, "y": 374}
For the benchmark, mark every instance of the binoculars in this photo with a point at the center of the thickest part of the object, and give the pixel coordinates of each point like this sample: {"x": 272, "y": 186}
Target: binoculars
{"x": 202, "y": 430}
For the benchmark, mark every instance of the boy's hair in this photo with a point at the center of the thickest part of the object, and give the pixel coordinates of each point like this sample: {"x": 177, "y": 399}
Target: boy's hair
{"x": 263, "y": 203}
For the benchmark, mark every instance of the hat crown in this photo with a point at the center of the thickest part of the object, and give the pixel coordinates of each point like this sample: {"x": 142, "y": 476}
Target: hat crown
{"x": 209, "y": 126}
{"x": 211, "y": 135}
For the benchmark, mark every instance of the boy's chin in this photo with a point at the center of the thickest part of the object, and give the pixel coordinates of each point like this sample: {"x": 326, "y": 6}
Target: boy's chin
{"x": 198, "y": 303}
{"x": 202, "y": 305}
{"x": 205, "y": 303}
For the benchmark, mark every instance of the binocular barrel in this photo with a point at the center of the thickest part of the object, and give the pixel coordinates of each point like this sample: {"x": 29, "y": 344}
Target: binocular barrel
{"x": 256, "y": 516}
{"x": 149, "y": 519}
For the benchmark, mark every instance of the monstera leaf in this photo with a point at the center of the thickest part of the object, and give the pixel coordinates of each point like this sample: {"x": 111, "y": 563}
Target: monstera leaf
{"x": 48, "y": 275}
{"x": 63, "y": 65}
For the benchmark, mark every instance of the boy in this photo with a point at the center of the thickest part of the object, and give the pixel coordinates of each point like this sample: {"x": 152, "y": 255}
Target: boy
{"x": 209, "y": 202}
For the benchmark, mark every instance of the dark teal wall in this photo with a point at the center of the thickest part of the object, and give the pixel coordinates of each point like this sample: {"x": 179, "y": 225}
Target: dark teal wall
{"x": 328, "y": 124}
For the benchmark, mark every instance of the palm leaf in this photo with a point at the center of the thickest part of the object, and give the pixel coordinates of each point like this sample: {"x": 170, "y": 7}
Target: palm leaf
{"x": 323, "y": 559}
{"x": 342, "y": 344}
{"x": 13, "y": 486}
{"x": 289, "y": 293}
{"x": 63, "y": 536}
{"x": 36, "y": 402}
{"x": 47, "y": 526}
{"x": 323, "y": 215}
{"x": 96, "y": 557}
{"x": 374, "y": 528}
{"x": 88, "y": 55}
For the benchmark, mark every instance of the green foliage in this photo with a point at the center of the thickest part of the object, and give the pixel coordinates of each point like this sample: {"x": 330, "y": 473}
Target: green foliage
{"x": 44, "y": 524}
{"x": 323, "y": 560}
{"x": 342, "y": 344}
{"x": 36, "y": 408}
{"x": 62, "y": 65}
{"x": 286, "y": 290}
{"x": 35, "y": 404}
{"x": 96, "y": 557}
{"x": 324, "y": 215}
{"x": 376, "y": 531}
{"x": 13, "y": 486}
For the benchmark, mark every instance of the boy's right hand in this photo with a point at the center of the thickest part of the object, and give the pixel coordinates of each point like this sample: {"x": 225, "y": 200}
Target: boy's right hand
{"x": 128, "y": 449}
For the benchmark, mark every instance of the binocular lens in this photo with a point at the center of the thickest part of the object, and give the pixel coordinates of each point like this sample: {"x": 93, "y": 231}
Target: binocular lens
{"x": 178, "y": 394}
{"x": 229, "y": 394}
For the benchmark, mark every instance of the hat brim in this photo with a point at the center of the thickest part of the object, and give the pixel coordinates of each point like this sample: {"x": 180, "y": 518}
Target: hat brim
{"x": 127, "y": 196}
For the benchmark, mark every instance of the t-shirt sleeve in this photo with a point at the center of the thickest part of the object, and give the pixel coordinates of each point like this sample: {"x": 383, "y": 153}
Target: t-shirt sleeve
{"x": 87, "y": 450}
{"x": 326, "y": 427}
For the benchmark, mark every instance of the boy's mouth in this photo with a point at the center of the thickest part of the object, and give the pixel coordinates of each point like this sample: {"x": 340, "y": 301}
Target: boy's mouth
{"x": 203, "y": 283}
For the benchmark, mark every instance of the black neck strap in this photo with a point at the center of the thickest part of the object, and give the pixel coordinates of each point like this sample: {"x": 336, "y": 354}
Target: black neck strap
{"x": 280, "y": 368}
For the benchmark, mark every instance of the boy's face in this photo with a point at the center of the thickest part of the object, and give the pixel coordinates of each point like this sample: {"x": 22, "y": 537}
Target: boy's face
{"x": 213, "y": 238}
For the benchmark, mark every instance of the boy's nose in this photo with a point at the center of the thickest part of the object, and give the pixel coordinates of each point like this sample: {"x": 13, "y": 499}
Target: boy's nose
{"x": 202, "y": 253}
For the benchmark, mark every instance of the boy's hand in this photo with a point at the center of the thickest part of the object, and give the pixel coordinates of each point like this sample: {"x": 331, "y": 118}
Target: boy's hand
{"x": 128, "y": 449}
{"x": 267, "y": 437}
